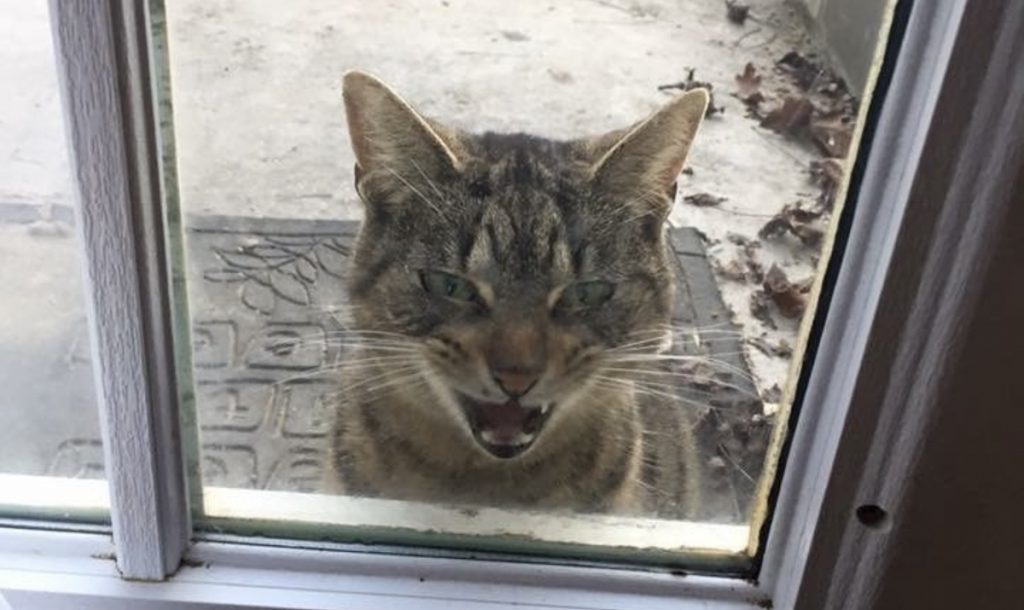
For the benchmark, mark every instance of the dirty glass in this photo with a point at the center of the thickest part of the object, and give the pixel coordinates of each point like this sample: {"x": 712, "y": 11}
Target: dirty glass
{"x": 49, "y": 430}
{"x": 292, "y": 321}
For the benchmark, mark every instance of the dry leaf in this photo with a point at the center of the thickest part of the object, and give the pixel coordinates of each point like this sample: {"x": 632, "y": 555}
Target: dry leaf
{"x": 773, "y": 394}
{"x": 736, "y": 12}
{"x": 760, "y": 307}
{"x": 692, "y": 83}
{"x": 790, "y": 298}
{"x": 797, "y": 221}
{"x": 734, "y": 271}
{"x": 792, "y": 118}
{"x": 783, "y": 349}
{"x": 832, "y": 136}
{"x": 804, "y": 71}
{"x": 748, "y": 90}
{"x": 704, "y": 200}
{"x": 827, "y": 174}
{"x": 749, "y": 82}
{"x": 739, "y": 240}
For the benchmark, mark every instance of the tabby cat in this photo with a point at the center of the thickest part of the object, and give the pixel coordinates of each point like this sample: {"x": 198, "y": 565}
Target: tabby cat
{"x": 504, "y": 290}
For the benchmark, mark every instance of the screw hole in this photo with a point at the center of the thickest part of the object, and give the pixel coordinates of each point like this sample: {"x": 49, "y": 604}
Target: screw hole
{"x": 873, "y": 516}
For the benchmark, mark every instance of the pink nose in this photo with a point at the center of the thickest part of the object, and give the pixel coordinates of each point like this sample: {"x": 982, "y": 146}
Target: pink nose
{"x": 515, "y": 383}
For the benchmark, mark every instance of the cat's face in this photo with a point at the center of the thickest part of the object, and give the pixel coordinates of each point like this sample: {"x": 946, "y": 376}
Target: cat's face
{"x": 513, "y": 266}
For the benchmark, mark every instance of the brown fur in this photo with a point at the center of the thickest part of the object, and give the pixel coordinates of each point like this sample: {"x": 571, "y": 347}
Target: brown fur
{"x": 522, "y": 221}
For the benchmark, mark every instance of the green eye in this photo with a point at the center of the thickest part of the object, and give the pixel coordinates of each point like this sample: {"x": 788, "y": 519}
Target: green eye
{"x": 587, "y": 294}
{"x": 441, "y": 284}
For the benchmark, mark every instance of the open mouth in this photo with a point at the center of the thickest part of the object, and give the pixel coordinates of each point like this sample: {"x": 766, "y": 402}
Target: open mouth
{"x": 506, "y": 429}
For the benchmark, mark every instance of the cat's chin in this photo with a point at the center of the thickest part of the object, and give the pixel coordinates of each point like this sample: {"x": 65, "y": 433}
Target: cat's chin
{"x": 504, "y": 430}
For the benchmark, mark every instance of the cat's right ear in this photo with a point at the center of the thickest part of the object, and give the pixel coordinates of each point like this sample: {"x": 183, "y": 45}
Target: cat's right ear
{"x": 389, "y": 138}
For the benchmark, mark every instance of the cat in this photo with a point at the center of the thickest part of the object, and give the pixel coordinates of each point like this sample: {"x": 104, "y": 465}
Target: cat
{"x": 506, "y": 292}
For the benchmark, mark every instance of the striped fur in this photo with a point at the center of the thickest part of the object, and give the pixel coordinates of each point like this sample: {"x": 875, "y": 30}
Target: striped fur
{"x": 522, "y": 218}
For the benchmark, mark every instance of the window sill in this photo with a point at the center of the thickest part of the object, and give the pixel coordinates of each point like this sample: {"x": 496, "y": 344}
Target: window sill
{"x": 64, "y": 569}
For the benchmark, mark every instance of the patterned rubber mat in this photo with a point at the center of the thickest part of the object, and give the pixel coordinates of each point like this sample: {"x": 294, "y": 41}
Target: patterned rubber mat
{"x": 265, "y": 294}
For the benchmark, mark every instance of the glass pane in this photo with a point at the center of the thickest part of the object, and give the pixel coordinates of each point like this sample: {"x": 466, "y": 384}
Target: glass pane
{"x": 49, "y": 425}
{"x": 581, "y": 342}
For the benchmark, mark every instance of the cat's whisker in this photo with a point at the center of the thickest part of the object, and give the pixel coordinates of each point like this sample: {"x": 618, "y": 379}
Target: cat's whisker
{"x": 320, "y": 335}
{"x": 364, "y": 381}
{"x": 403, "y": 380}
{"x": 735, "y": 464}
{"x": 377, "y": 348}
{"x": 653, "y": 340}
{"x": 682, "y": 379}
{"x": 397, "y": 377}
{"x": 349, "y": 364}
{"x": 640, "y": 388}
{"x": 369, "y": 342}
{"x": 620, "y": 384}
{"x": 364, "y": 332}
{"x": 317, "y": 372}
{"x": 430, "y": 182}
{"x": 415, "y": 190}
{"x": 352, "y": 333}
{"x": 707, "y": 360}
{"x": 371, "y": 362}
{"x": 653, "y": 357}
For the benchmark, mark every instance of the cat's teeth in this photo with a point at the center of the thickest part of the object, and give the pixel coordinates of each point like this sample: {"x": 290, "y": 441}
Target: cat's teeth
{"x": 521, "y": 439}
{"x": 544, "y": 407}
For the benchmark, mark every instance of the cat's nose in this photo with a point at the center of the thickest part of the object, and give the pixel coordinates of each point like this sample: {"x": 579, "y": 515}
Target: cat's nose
{"x": 515, "y": 383}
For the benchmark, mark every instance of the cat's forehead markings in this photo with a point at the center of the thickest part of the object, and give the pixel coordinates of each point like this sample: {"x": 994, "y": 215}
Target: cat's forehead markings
{"x": 481, "y": 254}
{"x": 560, "y": 256}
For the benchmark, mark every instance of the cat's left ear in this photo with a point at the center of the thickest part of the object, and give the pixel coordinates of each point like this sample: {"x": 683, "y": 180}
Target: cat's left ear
{"x": 648, "y": 158}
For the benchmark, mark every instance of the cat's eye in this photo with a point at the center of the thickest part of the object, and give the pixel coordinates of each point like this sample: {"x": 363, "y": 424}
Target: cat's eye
{"x": 449, "y": 286}
{"x": 581, "y": 295}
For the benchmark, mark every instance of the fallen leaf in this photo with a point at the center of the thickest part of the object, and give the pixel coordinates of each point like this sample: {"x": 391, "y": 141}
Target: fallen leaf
{"x": 827, "y": 171}
{"x": 748, "y": 90}
{"x": 832, "y": 136}
{"x": 704, "y": 200}
{"x": 827, "y": 174}
{"x": 736, "y": 12}
{"x": 804, "y": 71}
{"x": 792, "y": 118}
{"x": 754, "y": 268}
{"x": 692, "y": 83}
{"x": 745, "y": 266}
{"x": 753, "y": 104}
{"x": 795, "y": 220}
{"x": 760, "y": 307}
{"x": 773, "y": 394}
{"x": 739, "y": 240}
{"x": 762, "y": 345}
{"x": 790, "y": 299}
{"x": 749, "y": 82}
{"x": 781, "y": 350}
{"x": 734, "y": 271}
